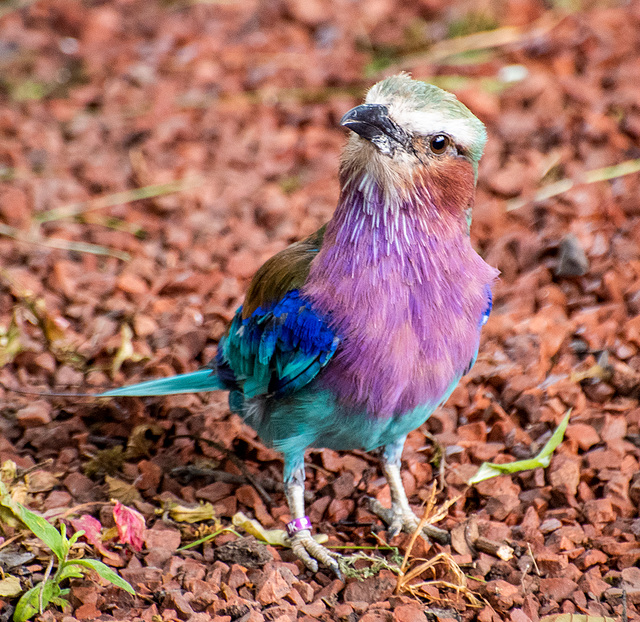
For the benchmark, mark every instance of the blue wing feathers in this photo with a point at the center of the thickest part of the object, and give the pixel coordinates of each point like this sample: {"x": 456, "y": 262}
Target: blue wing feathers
{"x": 276, "y": 350}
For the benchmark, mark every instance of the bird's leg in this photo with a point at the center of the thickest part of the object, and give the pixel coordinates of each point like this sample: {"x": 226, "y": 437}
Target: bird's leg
{"x": 400, "y": 517}
{"x": 299, "y": 529}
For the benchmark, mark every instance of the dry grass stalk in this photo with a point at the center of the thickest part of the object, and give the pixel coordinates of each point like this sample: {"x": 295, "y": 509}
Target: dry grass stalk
{"x": 442, "y": 560}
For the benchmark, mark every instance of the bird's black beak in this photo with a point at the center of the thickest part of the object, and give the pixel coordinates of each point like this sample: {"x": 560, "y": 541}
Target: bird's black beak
{"x": 372, "y": 121}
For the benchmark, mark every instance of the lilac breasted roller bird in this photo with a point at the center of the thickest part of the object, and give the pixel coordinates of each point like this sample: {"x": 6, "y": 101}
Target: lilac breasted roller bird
{"x": 352, "y": 337}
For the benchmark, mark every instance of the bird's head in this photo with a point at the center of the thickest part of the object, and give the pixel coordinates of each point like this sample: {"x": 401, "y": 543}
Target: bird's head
{"x": 409, "y": 132}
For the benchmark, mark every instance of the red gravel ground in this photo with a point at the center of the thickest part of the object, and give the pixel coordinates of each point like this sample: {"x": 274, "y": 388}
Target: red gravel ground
{"x": 239, "y": 103}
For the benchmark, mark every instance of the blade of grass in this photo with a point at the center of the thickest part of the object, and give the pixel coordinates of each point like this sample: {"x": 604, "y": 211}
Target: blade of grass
{"x": 606, "y": 173}
{"x": 65, "y": 245}
{"x": 484, "y": 40}
{"x": 105, "y": 572}
{"x": 488, "y": 470}
{"x": 118, "y": 198}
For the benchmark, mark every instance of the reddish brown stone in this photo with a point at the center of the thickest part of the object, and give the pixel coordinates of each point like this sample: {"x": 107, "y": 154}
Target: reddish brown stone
{"x": 502, "y": 595}
{"x": 517, "y": 615}
{"x": 591, "y": 558}
{"x": 409, "y": 613}
{"x": 273, "y": 589}
{"x": 80, "y": 487}
{"x": 237, "y": 576}
{"x": 34, "y": 415}
{"x": 599, "y": 511}
{"x": 314, "y": 609}
{"x": 215, "y": 492}
{"x": 162, "y": 538}
{"x": 584, "y": 434}
{"x": 557, "y": 588}
{"x": 372, "y": 589}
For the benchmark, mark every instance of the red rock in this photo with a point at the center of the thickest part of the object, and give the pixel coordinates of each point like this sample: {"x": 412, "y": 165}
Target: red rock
{"x": 359, "y": 607}
{"x": 614, "y": 428}
{"x": 502, "y": 595}
{"x": 377, "y": 616}
{"x": 473, "y": 432}
{"x": 57, "y": 499}
{"x": 331, "y": 590}
{"x": 178, "y": 602}
{"x": 150, "y": 476}
{"x": 15, "y": 206}
{"x": 273, "y": 589}
{"x": 591, "y": 558}
{"x": 343, "y": 486}
{"x": 629, "y": 558}
{"x": 204, "y": 593}
{"x": 599, "y": 511}
{"x": 557, "y": 588}
{"x": 132, "y": 284}
{"x": 564, "y": 472}
{"x": 584, "y": 434}
{"x": 254, "y": 616}
{"x": 88, "y": 611}
{"x": 498, "y": 486}
{"x": 237, "y": 576}
{"x": 149, "y": 577}
{"x": 305, "y": 590}
{"x": 551, "y": 564}
{"x": 168, "y": 539}
{"x": 215, "y": 492}
{"x": 342, "y": 611}
{"x": 501, "y": 506}
{"x": 517, "y": 615}
{"x": 80, "y": 487}
{"x": 34, "y": 415}
{"x": 550, "y": 525}
{"x": 603, "y": 459}
{"x": 157, "y": 557}
{"x": 592, "y": 584}
{"x": 249, "y": 496}
{"x": 314, "y": 609}
{"x": 372, "y": 589}
{"x": 409, "y": 613}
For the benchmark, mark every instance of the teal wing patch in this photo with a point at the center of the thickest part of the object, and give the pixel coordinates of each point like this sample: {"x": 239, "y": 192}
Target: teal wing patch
{"x": 277, "y": 350}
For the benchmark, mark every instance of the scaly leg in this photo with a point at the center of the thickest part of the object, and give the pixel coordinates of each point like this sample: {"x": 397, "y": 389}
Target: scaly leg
{"x": 400, "y": 517}
{"x": 299, "y": 529}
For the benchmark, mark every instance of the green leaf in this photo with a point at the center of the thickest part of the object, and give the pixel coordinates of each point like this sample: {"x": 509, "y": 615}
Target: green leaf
{"x": 10, "y": 586}
{"x": 39, "y": 526}
{"x": 74, "y": 538}
{"x": 60, "y": 601}
{"x": 106, "y": 573}
{"x": 69, "y": 571}
{"x": 488, "y": 470}
{"x": 29, "y": 604}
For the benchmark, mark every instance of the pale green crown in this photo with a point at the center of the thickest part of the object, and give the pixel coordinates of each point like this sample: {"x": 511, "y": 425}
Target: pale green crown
{"x": 425, "y": 109}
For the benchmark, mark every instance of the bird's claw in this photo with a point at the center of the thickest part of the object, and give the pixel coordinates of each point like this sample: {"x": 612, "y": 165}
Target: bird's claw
{"x": 310, "y": 552}
{"x": 403, "y": 519}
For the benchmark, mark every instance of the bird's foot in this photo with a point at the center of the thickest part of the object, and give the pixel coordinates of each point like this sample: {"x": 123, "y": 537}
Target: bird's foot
{"x": 310, "y": 552}
{"x": 403, "y": 519}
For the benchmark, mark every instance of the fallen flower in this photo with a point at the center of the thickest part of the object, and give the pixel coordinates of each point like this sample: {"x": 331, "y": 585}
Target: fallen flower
{"x": 92, "y": 528}
{"x": 130, "y": 524}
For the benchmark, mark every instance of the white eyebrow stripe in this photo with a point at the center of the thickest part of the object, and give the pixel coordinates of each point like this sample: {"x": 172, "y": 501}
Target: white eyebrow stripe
{"x": 427, "y": 122}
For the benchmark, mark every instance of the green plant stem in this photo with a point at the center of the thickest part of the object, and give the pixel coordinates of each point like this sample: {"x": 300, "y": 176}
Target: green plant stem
{"x": 47, "y": 574}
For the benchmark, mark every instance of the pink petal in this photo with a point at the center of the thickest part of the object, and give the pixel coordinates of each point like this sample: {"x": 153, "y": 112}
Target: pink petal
{"x": 92, "y": 528}
{"x": 130, "y": 524}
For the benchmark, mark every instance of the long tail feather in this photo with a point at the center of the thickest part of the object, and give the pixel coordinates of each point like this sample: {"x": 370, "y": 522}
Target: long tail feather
{"x": 194, "y": 382}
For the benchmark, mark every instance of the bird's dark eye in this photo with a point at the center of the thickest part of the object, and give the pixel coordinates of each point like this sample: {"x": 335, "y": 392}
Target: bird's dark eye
{"x": 439, "y": 143}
